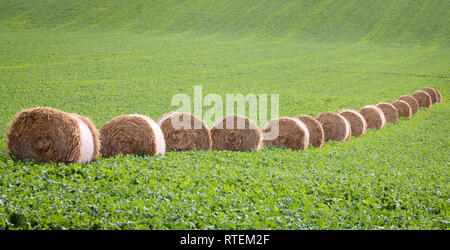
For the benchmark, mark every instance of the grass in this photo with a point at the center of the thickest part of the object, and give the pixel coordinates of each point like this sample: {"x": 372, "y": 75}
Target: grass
{"x": 106, "y": 58}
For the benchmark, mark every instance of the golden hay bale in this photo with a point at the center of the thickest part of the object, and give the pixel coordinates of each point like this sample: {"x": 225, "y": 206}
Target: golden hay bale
{"x": 292, "y": 133}
{"x": 316, "y": 134}
{"x": 357, "y": 122}
{"x": 349, "y": 128}
{"x": 348, "y": 125}
{"x": 389, "y": 111}
{"x": 183, "y": 132}
{"x": 412, "y": 102}
{"x": 403, "y": 108}
{"x": 49, "y": 135}
{"x": 374, "y": 116}
{"x": 94, "y": 133}
{"x": 335, "y": 126}
{"x": 236, "y": 133}
{"x": 423, "y": 98}
{"x": 131, "y": 134}
{"x": 439, "y": 96}
{"x": 433, "y": 94}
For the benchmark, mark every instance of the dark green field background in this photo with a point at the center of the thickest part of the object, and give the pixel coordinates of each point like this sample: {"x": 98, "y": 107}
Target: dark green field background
{"x": 107, "y": 58}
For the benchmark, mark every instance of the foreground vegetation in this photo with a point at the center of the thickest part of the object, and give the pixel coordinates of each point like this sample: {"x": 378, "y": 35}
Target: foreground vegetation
{"x": 102, "y": 59}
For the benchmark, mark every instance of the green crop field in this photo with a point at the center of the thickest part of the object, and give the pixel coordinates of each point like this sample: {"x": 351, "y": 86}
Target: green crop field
{"x": 107, "y": 58}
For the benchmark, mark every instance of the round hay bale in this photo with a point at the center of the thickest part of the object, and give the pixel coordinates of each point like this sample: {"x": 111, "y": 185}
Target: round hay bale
{"x": 94, "y": 133}
{"x": 423, "y": 98}
{"x": 412, "y": 102}
{"x": 389, "y": 111}
{"x": 403, "y": 108}
{"x": 374, "y": 116}
{"x": 48, "y": 135}
{"x": 433, "y": 94}
{"x": 316, "y": 134}
{"x": 131, "y": 134}
{"x": 335, "y": 126}
{"x": 439, "y": 96}
{"x": 349, "y": 128}
{"x": 357, "y": 122}
{"x": 183, "y": 132}
{"x": 236, "y": 133}
{"x": 292, "y": 133}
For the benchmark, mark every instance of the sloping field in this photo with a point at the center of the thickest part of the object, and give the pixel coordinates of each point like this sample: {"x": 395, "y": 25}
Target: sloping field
{"x": 107, "y": 58}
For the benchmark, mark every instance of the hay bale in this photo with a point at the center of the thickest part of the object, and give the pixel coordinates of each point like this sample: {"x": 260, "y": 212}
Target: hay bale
{"x": 357, "y": 122}
{"x": 181, "y": 132}
{"x": 423, "y": 98}
{"x": 236, "y": 133}
{"x": 403, "y": 108}
{"x": 374, "y": 116}
{"x": 433, "y": 94}
{"x": 349, "y": 129}
{"x": 131, "y": 134}
{"x": 292, "y": 133}
{"x": 439, "y": 96}
{"x": 389, "y": 111}
{"x": 335, "y": 126}
{"x": 316, "y": 134}
{"x": 94, "y": 133}
{"x": 412, "y": 102}
{"x": 49, "y": 135}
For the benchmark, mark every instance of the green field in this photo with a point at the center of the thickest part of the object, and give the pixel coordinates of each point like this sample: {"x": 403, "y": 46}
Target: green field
{"x": 107, "y": 58}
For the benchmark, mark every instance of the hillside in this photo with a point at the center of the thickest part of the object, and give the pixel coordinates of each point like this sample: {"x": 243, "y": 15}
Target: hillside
{"x": 402, "y": 21}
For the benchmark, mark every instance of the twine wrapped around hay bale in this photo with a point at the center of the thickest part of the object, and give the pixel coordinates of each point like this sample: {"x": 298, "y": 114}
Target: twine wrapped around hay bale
{"x": 335, "y": 126}
{"x": 389, "y": 111}
{"x": 316, "y": 134}
{"x": 412, "y": 102}
{"x": 292, "y": 133}
{"x": 49, "y": 135}
{"x": 131, "y": 134}
{"x": 183, "y": 132}
{"x": 433, "y": 94}
{"x": 236, "y": 133}
{"x": 357, "y": 122}
{"x": 423, "y": 98}
{"x": 403, "y": 108}
{"x": 374, "y": 116}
